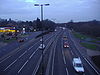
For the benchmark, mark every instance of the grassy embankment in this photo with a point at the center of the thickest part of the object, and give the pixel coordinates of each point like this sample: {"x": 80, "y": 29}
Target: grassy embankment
{"x": 85, "y": 44}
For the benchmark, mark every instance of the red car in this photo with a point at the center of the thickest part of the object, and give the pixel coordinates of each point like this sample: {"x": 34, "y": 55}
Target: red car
{"x": 66, "y": 45}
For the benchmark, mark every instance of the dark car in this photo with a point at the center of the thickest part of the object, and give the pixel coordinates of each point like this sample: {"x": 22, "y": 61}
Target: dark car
{"x": 21, "y": 40}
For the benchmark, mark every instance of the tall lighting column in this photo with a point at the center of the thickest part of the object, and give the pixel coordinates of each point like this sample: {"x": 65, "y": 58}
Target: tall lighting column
{"x": 41, "y": 5}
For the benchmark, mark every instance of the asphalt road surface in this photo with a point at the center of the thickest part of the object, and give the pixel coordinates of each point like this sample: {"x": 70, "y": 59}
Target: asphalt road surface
{"x": 27, "y": 59}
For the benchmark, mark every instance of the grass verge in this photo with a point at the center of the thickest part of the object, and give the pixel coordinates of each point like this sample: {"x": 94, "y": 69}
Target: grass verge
{"x": 80, "y": 36}
{"x": 90, "y": 46}
{"x": 7, "y": 41}
{"x": 83, "y": 37}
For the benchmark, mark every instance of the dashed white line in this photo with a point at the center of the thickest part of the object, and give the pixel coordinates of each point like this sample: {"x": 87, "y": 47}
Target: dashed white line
{"x": 72, "y": 52}
{"x": 53, "y": 59}
{"x": 23, "y": 66}
{"x": 33, "y": 53}
{"x": 22, "y": 54}
{"x": 10, "y": 65}
{"x": 64, "y": 58}
{"x": 30, "y": 47}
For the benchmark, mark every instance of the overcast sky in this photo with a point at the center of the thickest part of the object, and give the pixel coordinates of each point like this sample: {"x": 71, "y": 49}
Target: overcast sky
{"x": 58, "y": 11}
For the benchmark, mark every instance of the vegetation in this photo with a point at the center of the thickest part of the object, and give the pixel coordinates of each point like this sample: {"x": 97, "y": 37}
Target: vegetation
{"x": 89, "y": 46}
{"x": 95, "y": 41}
{"x": 28, "y": 25}
{"x": 44, "y": 33}
{"x": 9, "y": 40}
{"x": 80, "y": 36}
{"x": 91, "y": 28}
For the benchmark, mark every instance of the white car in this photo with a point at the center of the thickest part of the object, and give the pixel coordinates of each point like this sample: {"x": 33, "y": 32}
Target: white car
{"x": 41, "y": 40}
{"x": 42, "y": 46}
{"x": 77, "y": 64}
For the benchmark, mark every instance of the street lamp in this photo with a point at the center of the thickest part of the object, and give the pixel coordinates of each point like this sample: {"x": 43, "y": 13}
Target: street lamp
{"x": 41, "y": 5}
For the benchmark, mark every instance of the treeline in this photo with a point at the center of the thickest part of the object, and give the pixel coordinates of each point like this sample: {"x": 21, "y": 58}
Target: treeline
{"x": 91, "y": 28}
{"x": 29, "y": 25}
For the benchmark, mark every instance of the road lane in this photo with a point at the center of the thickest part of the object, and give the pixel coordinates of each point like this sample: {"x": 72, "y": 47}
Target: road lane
{"x": 15, "y": 44}
{"x": 46, "y": 59}
{"x": 29, "y": 66}
{"x": 88, "y": 69}
{"x": 68, "y": 57}
{"x": 59, "y": 65}
{"x": 21, "y": 55}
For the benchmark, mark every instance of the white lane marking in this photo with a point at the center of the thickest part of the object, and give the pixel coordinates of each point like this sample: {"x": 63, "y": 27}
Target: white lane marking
{"x": 83, "y": 56}
{"x": 63, "y": 54}
{"x": 37, "y": 66}
{"x": 53, "y": 60}
{"x": 72, "y": 52}
{"x": 48, "y": 64}
{"x": 64, "y": 58}
{"x": 23, "y": 66}
{"x": 92, "y": 66}
{"x": 17, "y": 50}
{"x": 4, "y": 59}
{"x": 30, "y": 47}
{"x": 33, "y": 53}
{"x": 55, "y": 45}
{"x": 10, "y": 65}
{"x": 67, "y": 71}
{"x": 29, "y": 58}
{"x": 15, "y": 61}
{"x": 33, "y": 46}
{"x": 20, "y": 57}
{"x": 22, "y": 54}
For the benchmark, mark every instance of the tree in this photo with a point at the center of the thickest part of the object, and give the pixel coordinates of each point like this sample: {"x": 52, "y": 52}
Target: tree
{"x": 38, "y": 24}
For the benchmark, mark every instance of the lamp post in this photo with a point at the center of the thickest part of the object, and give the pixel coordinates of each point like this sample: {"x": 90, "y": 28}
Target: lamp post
{"x": 41, "y": 5}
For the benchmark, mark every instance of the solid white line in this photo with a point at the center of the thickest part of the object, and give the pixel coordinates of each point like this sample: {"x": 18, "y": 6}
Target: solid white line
{"x": 83, "y": 56}
{"x": 4, "y": 59}
{"x": 23, "y": 66}
{"x": 92, "y": 66}
{"x": 10, "y": 65}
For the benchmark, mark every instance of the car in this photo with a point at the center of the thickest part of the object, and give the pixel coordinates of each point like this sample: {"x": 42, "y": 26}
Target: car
{"x": 65, "y": 37}
{"x": 41, "y": 40}
{"x": 21, "y": 40}
{"x": 66, "y": 45}
{"x": 77, "y": 64}
{"x": 42, "y": 46}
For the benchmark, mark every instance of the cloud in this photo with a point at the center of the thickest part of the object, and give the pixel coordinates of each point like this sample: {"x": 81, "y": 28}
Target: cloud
{"x": 62, "y": 10}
